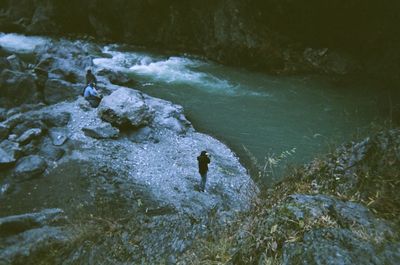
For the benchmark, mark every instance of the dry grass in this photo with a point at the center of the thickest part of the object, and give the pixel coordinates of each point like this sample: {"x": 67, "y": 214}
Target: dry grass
{"x": 257, "y": 237}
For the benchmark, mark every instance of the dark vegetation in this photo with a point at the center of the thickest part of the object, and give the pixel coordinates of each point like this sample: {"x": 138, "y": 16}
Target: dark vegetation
{"x": 336, "y": 37}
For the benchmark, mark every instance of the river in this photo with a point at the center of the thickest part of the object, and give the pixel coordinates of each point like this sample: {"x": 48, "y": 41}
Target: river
{"x": 265, "y": 115}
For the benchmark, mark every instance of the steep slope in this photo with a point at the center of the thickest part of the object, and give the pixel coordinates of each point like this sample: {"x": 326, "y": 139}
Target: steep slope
{"x": 277, "y": 36}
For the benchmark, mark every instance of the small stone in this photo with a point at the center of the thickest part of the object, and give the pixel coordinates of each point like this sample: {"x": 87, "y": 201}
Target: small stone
{"x": 12, "y": 137}
{"x": 58, "y": 136}
{"x": 102, "y": 131}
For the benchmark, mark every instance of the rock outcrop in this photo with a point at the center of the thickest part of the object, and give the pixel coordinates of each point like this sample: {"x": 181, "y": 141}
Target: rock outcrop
{"x": 331, "y": 211}
{"x": 12, "y": 225}
{"x": 17, "y": 88}
{"x": 285, "y": 36}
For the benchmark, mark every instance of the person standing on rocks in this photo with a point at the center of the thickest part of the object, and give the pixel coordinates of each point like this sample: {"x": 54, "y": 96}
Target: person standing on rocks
{"x": 203, "y": 159}
{"x": 90, "y": 78}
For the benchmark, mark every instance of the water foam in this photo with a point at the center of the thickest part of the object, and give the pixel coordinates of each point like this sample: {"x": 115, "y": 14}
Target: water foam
{"x": 171, "y": 70}
{"x": 118, "y": 61}
{"x": 20, "y": 43}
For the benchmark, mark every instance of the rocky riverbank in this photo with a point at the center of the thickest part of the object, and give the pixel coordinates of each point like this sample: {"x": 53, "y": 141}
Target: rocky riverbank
{"x": 118, "y": 184}
{"x": 340, "y": 209}
{"x": 112, "y": 185}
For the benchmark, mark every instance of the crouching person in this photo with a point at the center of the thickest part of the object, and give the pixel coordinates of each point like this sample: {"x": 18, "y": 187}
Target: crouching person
{"x": 91, "y": 95}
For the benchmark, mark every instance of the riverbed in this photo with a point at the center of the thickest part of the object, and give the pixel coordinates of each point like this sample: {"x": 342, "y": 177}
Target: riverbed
{"x": 258, "y": 115}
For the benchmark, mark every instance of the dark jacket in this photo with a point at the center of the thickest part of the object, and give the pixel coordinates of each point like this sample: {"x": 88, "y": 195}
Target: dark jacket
{"x": 203, "y": 160}
{"x": 90, "y": 78}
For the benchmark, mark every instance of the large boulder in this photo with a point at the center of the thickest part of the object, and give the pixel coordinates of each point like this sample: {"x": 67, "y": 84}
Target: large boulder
{"x": 13, "y": 121}
{"x": 55, "y": 119}
{"x": 51, "y": 152}
{"x": 169, "y": 116}
{"x": 5, "y": 159}
{"x": 117, "y": 78}
{"x": 27, "y": 124}
{"x": 17, "y": 88}
{"x": 58, "y": 90}
{"x": 66, "y": 75}
{"x": 29, "y": 167}
{"x": 125, "y": 108}
{"x": 29, "y": 135}
{"x": 12, "y": 150}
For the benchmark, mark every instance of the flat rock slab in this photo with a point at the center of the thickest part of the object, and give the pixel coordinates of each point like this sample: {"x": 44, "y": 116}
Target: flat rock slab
{"x": 28, "y": 247}
{"x": 102, "y": 131}
{"x": 29, "y": 167}
{"x": 15, "y": 224}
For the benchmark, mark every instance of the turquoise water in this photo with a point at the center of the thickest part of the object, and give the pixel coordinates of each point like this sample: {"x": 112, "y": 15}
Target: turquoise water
{"x": 265, "y": 114}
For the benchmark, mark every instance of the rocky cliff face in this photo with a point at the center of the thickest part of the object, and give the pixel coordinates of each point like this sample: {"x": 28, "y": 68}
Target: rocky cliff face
{"x": 338, "y": 37}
